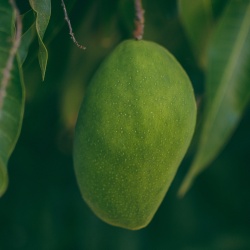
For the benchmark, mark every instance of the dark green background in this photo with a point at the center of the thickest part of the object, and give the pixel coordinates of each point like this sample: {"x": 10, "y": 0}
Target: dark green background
{"x": 43, "y": 209}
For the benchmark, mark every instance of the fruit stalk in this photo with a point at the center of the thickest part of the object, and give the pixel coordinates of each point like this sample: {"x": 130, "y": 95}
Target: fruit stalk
{"x": 139, "y": 20}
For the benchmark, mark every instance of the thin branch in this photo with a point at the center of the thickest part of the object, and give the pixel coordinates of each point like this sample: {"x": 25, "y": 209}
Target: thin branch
{"x": 139, "y": 20}
{"x": 70, "y": 28}
{"x": 9, "y": 65}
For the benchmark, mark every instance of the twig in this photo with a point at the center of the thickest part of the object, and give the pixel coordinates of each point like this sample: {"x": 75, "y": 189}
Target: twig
{"x": 70, "y": 28}
{"x": 13, "y": 51}
{"x": 139, "y": 20}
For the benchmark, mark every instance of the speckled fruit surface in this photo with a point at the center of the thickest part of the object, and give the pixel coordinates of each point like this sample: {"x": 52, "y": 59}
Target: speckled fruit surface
{"x": 133, "y": 130}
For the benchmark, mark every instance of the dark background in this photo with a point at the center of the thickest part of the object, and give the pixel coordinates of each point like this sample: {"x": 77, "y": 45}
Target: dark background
{"x": 43, "y": 208}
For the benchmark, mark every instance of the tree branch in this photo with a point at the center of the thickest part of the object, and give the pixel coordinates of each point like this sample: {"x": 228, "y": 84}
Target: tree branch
{"x": 70, "y": 27}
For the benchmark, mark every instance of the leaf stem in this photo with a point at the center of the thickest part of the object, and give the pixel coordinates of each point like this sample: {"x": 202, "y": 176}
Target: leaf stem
{"x": 70, "y": 27}
{"x": 139, "y": 20}
{"x": 13, "y": 51}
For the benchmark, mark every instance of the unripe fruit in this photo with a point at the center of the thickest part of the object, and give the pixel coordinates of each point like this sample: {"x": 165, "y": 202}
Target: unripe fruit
{"x": 133, "y": 130}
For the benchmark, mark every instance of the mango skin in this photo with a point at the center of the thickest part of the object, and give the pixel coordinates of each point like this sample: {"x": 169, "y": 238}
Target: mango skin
{"x": 133, "y": 130}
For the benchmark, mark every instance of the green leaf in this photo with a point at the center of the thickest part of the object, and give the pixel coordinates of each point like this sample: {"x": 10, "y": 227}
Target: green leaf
{"x": 43, "y": 12}
{"x": 197, "y": 20}
{"x": 228, "y": 86}
{"x": 28, "y": 35}
{"x": 11, "y": 92}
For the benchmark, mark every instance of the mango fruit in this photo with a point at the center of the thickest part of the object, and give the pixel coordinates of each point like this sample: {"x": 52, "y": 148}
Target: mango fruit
{"x": 133, "y": 129}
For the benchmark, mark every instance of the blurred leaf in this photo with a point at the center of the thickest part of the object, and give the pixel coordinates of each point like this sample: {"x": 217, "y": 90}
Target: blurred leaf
{"x": 218, "y": 7}
{"x": 228, "y": 86}
{"x": 11, "y": 93}
{"x": 43, "y": 12}
{"x": 197, "y": 19}
{"x": 27, "y": 36}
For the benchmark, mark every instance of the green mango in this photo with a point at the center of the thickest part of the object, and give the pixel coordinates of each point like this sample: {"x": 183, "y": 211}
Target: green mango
{"x": 133, "y": 130}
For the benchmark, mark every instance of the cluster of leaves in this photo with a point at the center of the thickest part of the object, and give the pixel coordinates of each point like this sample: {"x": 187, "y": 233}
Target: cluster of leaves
{"x": 219, "y": 34}
{"x": 12, "y": 92}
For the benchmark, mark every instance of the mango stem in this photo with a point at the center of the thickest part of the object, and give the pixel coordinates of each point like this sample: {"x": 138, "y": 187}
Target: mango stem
{"x": 139, "y": 20}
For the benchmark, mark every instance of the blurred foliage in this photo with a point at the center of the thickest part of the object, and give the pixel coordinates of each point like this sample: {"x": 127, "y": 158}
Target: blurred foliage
{"x": 43, "y": 209}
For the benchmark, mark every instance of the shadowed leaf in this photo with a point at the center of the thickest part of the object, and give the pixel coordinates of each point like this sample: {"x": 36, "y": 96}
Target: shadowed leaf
{"x": 28, "y": 35}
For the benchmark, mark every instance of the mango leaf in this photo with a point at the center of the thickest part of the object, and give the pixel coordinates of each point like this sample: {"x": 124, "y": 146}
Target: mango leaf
{"x": 42, "y": 9}
{"x": 28, "y": 35}
{"x": 11, "y": 92}
{"x": 197, "y": 19}
{"x": 228, "y": 86}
